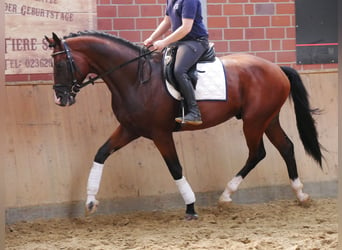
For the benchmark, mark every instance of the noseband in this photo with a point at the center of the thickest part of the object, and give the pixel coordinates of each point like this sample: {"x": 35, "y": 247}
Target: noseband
{"x": 76, "y": 86}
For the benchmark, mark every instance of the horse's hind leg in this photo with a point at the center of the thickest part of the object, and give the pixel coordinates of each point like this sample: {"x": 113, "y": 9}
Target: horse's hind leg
{"x": 285, "y": 147}
{"x": 253, "y": 135}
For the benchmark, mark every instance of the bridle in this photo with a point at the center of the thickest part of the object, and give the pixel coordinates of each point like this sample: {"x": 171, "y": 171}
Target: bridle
{"x": 76, "y": 85}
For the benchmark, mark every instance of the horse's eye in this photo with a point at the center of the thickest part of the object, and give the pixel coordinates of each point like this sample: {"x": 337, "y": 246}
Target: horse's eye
{"x": 59, "y": 65}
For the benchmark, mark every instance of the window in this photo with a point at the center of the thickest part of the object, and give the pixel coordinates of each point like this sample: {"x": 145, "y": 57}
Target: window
{"x": 204, "y": 12}
{"x": 316, "y": 31}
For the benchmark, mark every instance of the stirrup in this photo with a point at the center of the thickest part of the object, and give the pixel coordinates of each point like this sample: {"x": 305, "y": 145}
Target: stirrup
{"x": 190, "y": 122}
{"x": 183, "y": 120}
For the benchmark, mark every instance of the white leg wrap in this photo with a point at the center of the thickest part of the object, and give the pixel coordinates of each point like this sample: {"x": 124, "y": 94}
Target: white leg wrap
{"x": 94, "y": 181}
{"x": 297, "y": 186}
{"x": 185, "y": 190}
{"x": 231, "y": 187}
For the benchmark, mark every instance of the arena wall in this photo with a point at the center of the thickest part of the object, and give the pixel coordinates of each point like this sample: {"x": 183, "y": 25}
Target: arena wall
{"x": 48, "y": 150}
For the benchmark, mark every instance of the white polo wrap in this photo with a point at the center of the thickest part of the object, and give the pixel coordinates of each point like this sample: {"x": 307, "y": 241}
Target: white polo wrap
{"x": 94, "y": 180}
{"x": 185, "y": 190}
{"x": 297, "y": 186}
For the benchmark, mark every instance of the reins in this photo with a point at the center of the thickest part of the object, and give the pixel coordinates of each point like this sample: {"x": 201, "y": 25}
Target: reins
{"x": 77, "y": 86}
{"x": 92, "y": 80}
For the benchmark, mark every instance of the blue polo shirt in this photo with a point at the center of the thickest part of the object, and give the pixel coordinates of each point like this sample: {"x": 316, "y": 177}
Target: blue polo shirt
{"x": 190, "y": 9}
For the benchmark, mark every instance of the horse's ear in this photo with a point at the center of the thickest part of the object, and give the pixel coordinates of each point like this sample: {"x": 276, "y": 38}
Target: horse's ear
{"x": 56, "y": 39}
{"x": 50, "y": 42}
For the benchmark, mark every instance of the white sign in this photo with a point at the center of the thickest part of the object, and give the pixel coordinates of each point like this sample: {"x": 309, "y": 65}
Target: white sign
{"x": 26, "y": 24}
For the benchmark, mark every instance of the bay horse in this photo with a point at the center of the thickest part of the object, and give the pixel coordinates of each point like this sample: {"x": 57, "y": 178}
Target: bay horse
{"x": 257, "y": 89}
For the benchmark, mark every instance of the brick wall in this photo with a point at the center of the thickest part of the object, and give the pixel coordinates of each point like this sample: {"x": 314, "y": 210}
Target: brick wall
{"x": 265, "y": 28}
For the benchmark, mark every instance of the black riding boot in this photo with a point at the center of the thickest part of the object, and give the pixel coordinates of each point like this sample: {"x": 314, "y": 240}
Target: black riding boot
{"x": 193, "y": 116}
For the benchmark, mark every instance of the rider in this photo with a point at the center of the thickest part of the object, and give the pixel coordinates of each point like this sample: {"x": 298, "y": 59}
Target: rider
{"x": 184, "y": 17}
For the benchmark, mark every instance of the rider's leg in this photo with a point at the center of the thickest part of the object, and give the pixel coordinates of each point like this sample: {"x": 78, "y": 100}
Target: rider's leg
{"x": 187, "y": 55}
{"x": 194, "y": 115}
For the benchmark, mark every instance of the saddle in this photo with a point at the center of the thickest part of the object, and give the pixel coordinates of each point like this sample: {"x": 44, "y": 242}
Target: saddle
{"x": 169, "y": 63}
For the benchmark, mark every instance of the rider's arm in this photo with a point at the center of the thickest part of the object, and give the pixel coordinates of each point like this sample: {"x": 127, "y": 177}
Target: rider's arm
{"x": 162, "y": 28}
{"x": 175, "y": 36}
{"x": 181, "y": 32}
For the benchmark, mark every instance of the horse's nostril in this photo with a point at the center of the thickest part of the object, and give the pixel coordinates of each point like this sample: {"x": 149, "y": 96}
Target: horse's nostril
{"x": 58, "y": 99}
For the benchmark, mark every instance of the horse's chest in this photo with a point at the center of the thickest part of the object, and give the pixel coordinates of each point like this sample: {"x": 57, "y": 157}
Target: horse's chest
{"x": 129, "y": 118}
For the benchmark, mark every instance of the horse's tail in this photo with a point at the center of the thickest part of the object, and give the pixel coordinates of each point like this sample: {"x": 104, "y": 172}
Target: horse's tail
{"x": 305, "y": 123}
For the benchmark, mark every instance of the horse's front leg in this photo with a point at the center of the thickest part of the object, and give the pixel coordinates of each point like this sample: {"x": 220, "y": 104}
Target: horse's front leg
{"x": 167, "y": 148}
{"x": 117, "y": 140}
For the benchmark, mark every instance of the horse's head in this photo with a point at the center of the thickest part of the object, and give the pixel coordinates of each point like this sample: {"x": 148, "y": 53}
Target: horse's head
{"x": 67, "y": 75}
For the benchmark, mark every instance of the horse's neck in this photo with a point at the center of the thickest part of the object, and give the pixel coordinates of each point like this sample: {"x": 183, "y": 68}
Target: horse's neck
{"x": 110, "y": 61}
{"x": 114, "y": 59}
{"x": 120, "y": 75}
{"x": 125, "y": 79}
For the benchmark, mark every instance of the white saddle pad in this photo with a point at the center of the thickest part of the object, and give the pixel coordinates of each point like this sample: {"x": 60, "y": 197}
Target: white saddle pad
{"x": 211, "y": 84}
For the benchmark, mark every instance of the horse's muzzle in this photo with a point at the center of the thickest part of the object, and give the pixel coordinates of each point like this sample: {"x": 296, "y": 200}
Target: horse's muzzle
{"x": 64, "y": 100}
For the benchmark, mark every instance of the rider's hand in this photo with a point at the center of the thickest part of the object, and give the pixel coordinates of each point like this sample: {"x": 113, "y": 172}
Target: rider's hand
{"x": 159, "y": 45}
{"x": 148, "y": 42}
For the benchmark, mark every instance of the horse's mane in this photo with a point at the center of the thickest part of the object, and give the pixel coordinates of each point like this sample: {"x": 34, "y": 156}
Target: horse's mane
{"x": 109, "y": 37}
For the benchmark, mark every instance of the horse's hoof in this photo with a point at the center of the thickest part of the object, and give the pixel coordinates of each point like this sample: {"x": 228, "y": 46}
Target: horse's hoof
{"x": 223, "y": 204}
{"x": 191, "y": 216}
{"x": 306, "y": 202}
{"x": 91, "y": 207}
